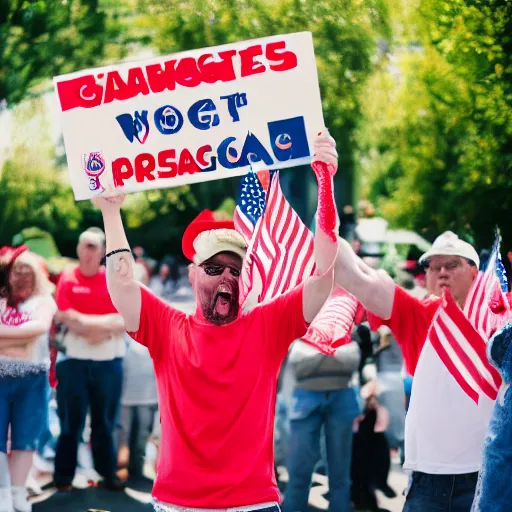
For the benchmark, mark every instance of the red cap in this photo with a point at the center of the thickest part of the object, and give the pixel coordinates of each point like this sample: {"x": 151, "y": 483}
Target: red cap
{"x": 9, "y": 254}
{"x": 205, "y": 221}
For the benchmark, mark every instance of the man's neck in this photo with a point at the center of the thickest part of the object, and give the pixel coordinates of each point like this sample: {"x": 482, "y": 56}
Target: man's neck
{"x": 87, "y": 272}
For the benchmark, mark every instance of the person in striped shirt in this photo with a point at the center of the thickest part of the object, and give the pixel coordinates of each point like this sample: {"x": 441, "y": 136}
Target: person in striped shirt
{"x": 445, "y": 428}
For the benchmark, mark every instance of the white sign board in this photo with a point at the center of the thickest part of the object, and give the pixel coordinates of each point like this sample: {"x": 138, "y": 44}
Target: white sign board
{"x": 193, "y": 116}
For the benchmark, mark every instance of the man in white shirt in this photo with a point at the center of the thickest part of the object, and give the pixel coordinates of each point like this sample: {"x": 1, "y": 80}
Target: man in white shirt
{"x": 445, "y": 429}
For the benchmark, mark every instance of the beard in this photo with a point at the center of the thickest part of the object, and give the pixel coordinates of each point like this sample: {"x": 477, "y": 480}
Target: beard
{"x": 222, "y": 307}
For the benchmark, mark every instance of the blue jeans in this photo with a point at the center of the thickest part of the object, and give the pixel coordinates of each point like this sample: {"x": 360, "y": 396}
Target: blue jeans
{"x": 84, "y": 384}
{"x": 335, "y": 411}
{"x": 134, "y": 428}
{"x": 440, "y": 493}
{"x": 45, "y": 437}
{"x": 494, "y": 490}
{"x": 23, "y": 406}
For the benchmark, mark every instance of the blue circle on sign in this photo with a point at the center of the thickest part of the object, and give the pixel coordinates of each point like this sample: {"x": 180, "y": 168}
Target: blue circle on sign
{"x": 168, "y": 120}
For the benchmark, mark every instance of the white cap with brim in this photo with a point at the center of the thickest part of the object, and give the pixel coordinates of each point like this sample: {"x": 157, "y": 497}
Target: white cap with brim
{"x": 212, "y": 242}
{"x": 92, "y": 236}
{"x": 449, "y": 244}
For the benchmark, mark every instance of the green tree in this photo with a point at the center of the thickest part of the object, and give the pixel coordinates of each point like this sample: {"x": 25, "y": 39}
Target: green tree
{"x": 345, "y": 36}
{"x": 437, "y": 141}
{"x": 43, "y": 38}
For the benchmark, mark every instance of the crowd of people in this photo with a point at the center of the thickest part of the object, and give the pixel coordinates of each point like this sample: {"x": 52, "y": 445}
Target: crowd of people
{"x": 105, "y": 401}
{"x": 208, "y": 385}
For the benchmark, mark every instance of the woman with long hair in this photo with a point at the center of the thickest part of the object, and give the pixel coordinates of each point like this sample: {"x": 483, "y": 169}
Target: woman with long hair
{"x": 26, "y": 312}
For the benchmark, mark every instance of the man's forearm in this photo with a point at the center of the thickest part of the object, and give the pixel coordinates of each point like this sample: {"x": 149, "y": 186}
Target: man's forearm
{"x": 326, "y": 220}
{"x": 15, "y": 342}
{"x": 123, "y": 289}
{"x": 317, "y": 289}
{"x": 94, "y": 325}
{"x": 374, "y": 289}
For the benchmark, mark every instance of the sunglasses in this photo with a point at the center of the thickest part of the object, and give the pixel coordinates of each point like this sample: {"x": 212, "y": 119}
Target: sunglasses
{"x": 217, "y": 270}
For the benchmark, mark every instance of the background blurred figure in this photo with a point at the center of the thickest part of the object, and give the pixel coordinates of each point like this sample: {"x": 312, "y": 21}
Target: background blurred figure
{"x": 389, "y": 362}
{"x": 323, "y": 397}
{"x": 163, "y": 284}
{"x": 26, "y": 312}
{"x": 142, "y": 267}
{"x": 90, "y": 374}
{"x": 139, "y": 404}
{"x": 370, "y": 455}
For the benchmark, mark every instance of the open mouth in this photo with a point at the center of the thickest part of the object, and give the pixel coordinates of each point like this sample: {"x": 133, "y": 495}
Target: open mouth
{"x": 223, "y": 299}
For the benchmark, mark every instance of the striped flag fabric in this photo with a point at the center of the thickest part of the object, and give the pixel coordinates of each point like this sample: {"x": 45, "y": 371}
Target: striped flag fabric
{"x": 487, "y": 286}
{"x": 462, "y": 349}
{"x": 280, "y": 250}
{"x": 280, "y": 256}
{"x": 460, "y": 336}
{"x": 332, "y": 326}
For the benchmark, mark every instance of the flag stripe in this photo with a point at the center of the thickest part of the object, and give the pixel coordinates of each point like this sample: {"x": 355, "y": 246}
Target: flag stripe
{"x": 280, "y": 256}
{"x": 450, "y": 366}
{"x": 463, "y": 356}
{"x": 460, "y": 336}
{"x": 470, "y": 343}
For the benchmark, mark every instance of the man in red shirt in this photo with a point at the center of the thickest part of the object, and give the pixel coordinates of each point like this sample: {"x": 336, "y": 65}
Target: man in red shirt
{"x": 217, "y": 370}
{"x": 445, "y": 429}
{"x": 90, "y": 373}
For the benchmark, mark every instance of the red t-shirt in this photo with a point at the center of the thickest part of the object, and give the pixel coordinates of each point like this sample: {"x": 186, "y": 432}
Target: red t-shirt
{"x": 87, "y": 295}
{"x": 217, "y": 392}
{"x": 409, "y": 322}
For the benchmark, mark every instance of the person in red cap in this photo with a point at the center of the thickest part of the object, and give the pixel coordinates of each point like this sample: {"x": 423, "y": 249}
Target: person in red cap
{"x": 26, "y": 312}
{"x": 217, "y": 369}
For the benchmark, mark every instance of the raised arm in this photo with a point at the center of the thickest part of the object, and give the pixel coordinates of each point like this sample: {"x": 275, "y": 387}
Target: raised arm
{"x": 373, "y": 288}
{"x": 318, "y": 288}
{"x": 124, "y": 290}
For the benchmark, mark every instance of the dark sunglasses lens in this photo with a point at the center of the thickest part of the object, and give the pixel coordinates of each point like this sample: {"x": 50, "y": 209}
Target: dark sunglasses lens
{"x": 213, "y": 271}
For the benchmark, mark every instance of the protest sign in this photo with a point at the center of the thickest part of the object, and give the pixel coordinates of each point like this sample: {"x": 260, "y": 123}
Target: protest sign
{"x": 192, "y": 116}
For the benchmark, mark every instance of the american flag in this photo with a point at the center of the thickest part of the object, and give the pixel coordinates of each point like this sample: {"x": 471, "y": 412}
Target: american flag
{"x": 488, "y": 285}
{"x": 280, "y": 256}
{"x": 460, "y": 336}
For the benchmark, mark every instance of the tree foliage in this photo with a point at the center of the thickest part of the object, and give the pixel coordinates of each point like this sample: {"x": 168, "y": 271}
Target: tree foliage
{"x": 43, "y": 38}
{"x": 345, "y": 36}
{"x": 438, "y": 133}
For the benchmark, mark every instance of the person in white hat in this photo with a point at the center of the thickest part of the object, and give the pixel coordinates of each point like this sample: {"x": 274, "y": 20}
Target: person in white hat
{"x": 217, "y": 370}
{"x": 445, "y": 429}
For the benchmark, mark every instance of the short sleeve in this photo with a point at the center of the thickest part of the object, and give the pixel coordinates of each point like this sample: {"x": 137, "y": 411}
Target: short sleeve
{"x": 284, "y": 320}
{"x": 409, "y": 322}
{"x": 62, "y": 293}
{"x": 156, "y": 323}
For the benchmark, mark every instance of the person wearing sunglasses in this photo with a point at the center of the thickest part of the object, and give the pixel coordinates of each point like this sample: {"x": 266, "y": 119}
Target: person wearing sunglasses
{"x": 217, "y": 369}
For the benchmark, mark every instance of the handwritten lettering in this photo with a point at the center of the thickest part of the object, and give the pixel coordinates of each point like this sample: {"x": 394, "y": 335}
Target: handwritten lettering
{"x": 288, "y": 140}
{"x": 88, "y": 91}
